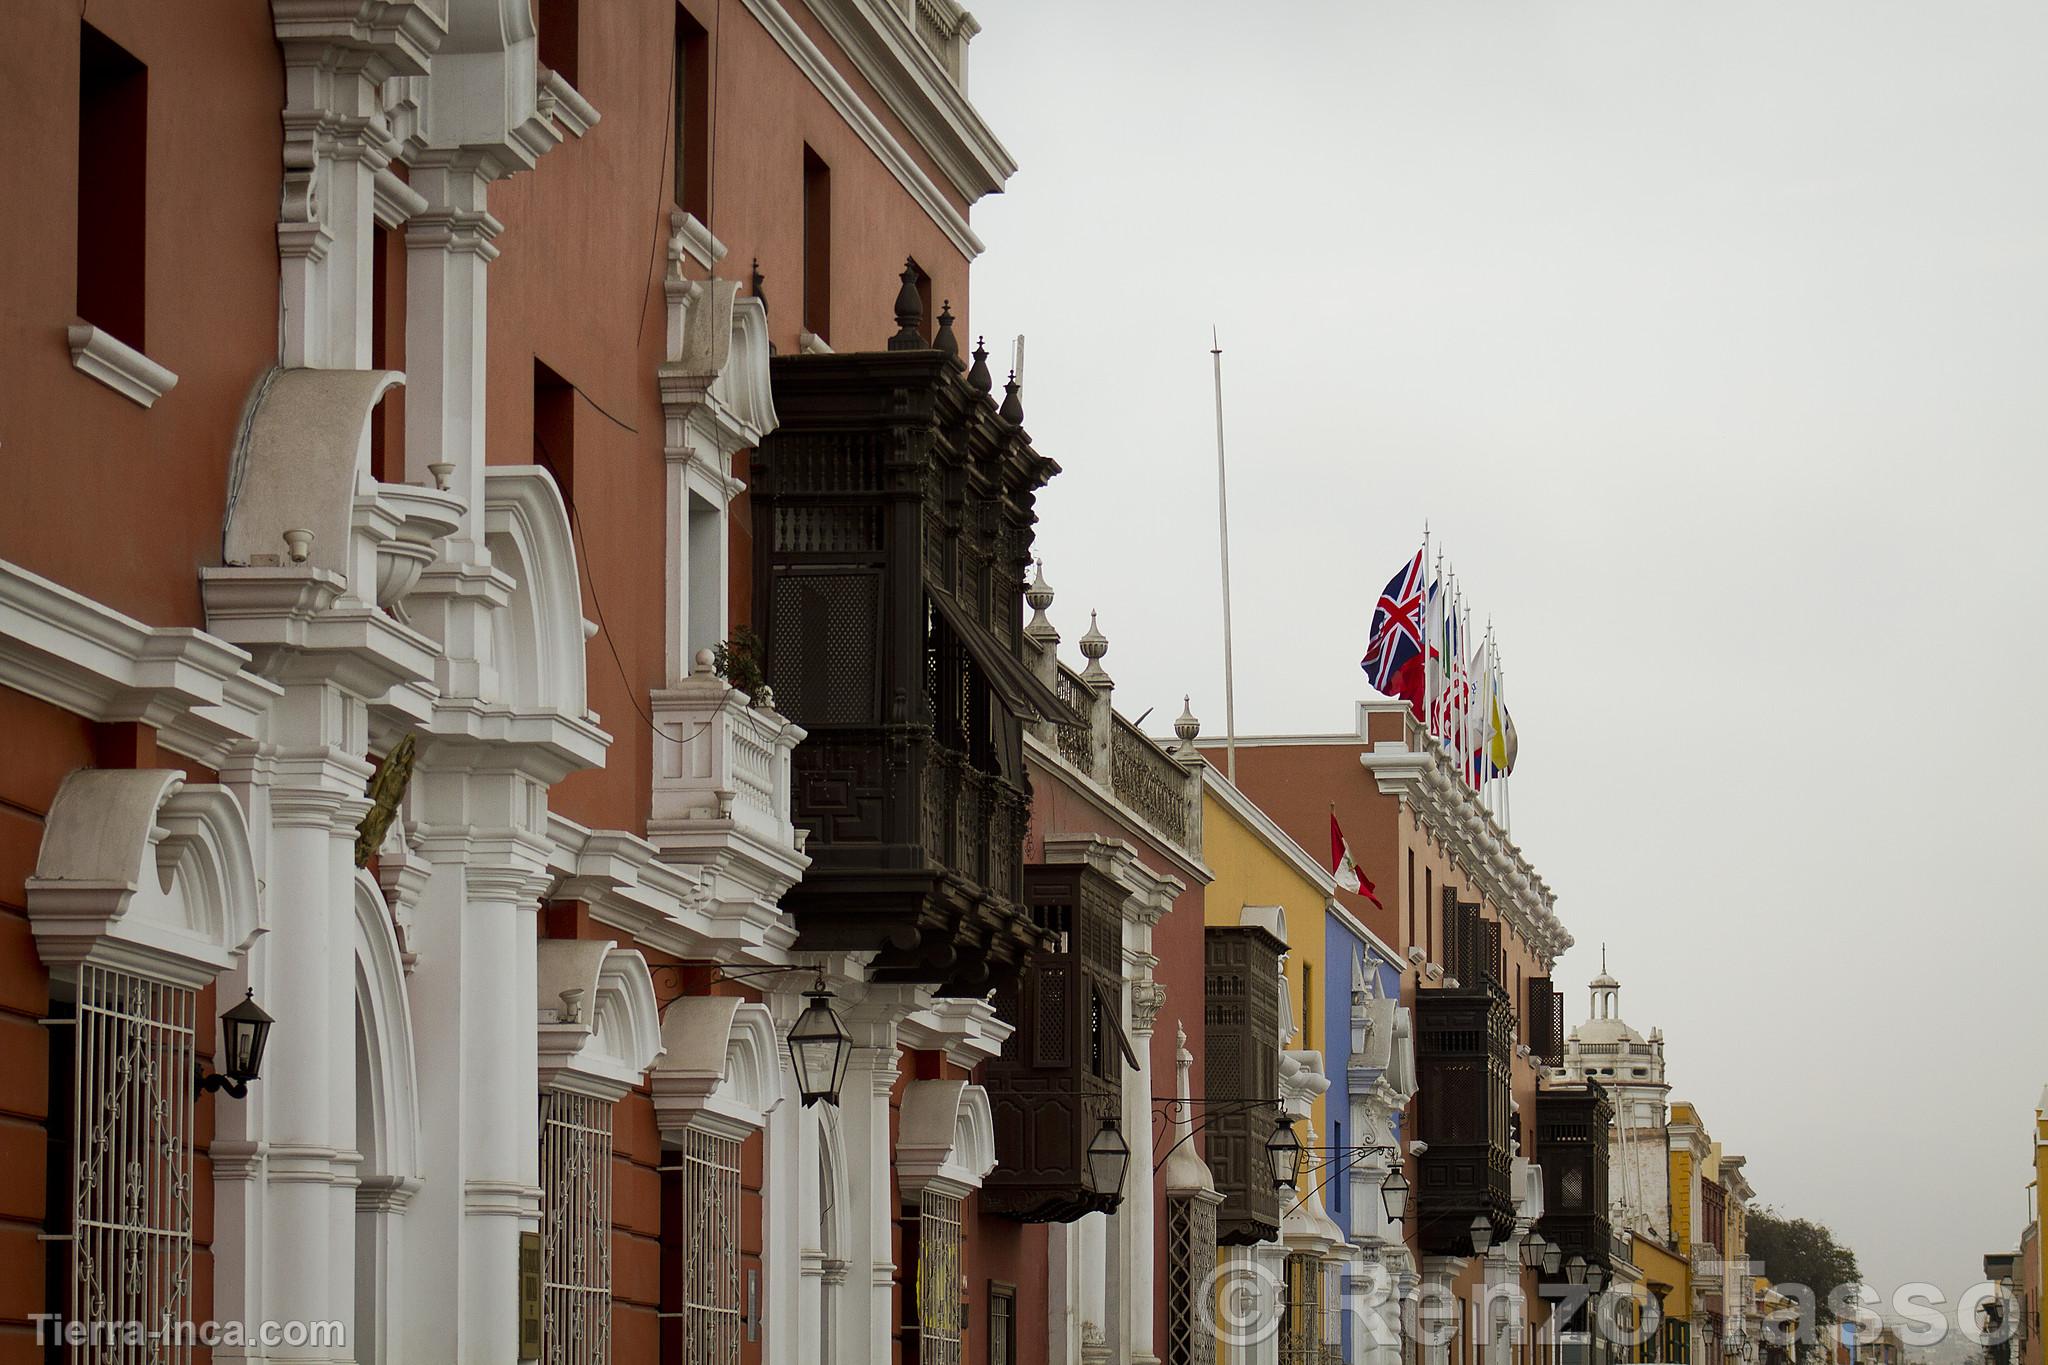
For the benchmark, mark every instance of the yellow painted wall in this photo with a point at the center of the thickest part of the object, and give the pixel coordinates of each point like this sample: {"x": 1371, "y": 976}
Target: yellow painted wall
{"x": 1249, "y": 871}
{"x": 1663, "y": 1267}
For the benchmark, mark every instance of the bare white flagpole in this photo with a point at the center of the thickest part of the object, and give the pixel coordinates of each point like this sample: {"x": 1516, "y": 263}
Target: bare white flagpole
{"x": 1428, "y": 673}
{"x": 1223, "y": 539}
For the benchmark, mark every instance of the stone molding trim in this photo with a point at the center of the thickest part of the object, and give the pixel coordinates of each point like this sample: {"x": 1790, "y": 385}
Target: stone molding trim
{"x": 797, "y": 44}
{"x": 920, "y": 92}
{"x": 145, "y": 873}
{"x": 118, "y": 365}
{"x": 63, "y": 648}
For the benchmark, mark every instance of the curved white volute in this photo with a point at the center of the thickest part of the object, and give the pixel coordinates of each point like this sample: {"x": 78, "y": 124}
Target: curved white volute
{"x": 945, "y": 1139}
{"x": 720, "y": 1069}
{"x": 142, "y": 871}
{"x": 599, "y": 1027}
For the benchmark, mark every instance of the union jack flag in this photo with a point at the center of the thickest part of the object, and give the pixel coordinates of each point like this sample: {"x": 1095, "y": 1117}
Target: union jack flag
{"x": 1393, "y": 661}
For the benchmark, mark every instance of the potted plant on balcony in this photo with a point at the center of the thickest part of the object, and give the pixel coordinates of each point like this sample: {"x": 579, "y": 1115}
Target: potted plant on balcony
{"x": 738, "y": 661}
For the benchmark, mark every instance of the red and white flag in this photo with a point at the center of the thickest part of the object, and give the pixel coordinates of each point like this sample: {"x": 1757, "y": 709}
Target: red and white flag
{"x": 1350, "y": 877}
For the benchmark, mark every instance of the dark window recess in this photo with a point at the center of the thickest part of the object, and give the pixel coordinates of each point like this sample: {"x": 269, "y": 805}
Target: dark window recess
{"x": 1241, "y": 1013}
{"x": 1464, "y": 1054}
{"x": 1002, "y": 1324}
{"x": 921, "y": 280}
{"x": 1571, "y": 1147}
{"x": 1060, "y": 1073}
{"x": 692, "y": 108}
{"x": 557, "y": 21}
{"x": 888, "y": 498}
{"x": 1545, "y": 1017}
{"x": 113, "y": 181}
{"x": 59, "y": 1150}
{"x": 387, "y": 352}
{"x": 817, "y": 245}
{"x": 554, "y": 428}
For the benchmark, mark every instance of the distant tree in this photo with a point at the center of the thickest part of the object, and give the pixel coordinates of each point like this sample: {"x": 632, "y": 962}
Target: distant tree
{"x": 1801, "y": 1251}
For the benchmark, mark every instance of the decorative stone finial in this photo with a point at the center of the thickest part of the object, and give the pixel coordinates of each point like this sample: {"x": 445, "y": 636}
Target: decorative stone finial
{"x": 1038, "y": 596}
{"x": 1094, "y": 645}
{"x": 909, "y": 312}
{"x": 1012, "y": 410}
{"x": 1185, "y": 726}
{"x": 978, "y": 377}
{"x": 945, "y": 342}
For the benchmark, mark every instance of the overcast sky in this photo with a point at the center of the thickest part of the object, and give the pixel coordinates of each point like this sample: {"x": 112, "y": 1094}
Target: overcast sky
{"x": 1710, "y": 339}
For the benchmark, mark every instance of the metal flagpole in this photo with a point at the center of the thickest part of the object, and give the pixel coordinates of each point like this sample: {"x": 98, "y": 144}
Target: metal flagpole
{"x": 1428, "y": 674}
{"x": 1223, "y": 538}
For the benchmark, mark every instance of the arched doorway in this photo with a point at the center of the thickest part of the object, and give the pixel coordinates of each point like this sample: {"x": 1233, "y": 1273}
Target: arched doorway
{"x": 387, "y": 1128}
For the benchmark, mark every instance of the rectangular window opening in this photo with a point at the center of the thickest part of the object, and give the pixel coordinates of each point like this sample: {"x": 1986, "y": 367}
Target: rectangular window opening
{"x": 691, "y": 79}
{"x": 558, "y": 25}
{"x": 387, "y": 351}
{"x": 817, "y": 245}
{"x": 554, "y": 428}
{"x": 113, "y": 141}
{"x": 1002, "y": 1324}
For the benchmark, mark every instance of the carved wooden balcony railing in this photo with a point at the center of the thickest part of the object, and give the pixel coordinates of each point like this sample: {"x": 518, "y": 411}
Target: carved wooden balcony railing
{"x": 896, "y": 507}
{"x": 1242, "y": 1016}
{"x": 1060, "y": 1074}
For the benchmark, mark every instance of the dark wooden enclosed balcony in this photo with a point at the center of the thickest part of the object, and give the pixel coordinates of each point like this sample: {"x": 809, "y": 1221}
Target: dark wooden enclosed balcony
{"x": 893, "y": 509}
{"x": 1572, "y": 1147}
{"x": 1464, "y": 1058}
{"x": 1061, "y": 1072}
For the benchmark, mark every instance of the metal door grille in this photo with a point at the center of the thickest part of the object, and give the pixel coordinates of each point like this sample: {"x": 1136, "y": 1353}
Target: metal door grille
{"x": 576, "y": 1229}
{"x": 1190, "y": 1259}
{"x": 131, "y": 1195}
{"x": 711, "y": 1257}
{"x": 938, "y": 1281}
{"x": 1301, "y": 1313}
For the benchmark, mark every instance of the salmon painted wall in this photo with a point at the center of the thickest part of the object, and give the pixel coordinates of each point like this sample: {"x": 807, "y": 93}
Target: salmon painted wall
{"x": 578, "y": 288}
{"x": 120, "y": 502}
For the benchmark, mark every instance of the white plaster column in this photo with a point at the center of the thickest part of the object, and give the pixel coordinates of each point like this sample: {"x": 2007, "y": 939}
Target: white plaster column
{"x": 1137, "y": 1220}
{"x": 241, "y": 1130}
{"x": 870, "y": 1199}
{"x": 473, "y": 997}
{"x": 449, "y": 247}
{"x": 1091, "y": 1236}
{"x": 308, "y": 1089}
{"x": 1439, "y": 1306}
{"x": 790, "y": 1329}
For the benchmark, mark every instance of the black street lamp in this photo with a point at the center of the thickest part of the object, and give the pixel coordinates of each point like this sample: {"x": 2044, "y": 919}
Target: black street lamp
{"x": 245, "y": 1031}
{"x": 1553, "y": 1258}
{"x": 1394, "y": 1194}
{"x": 1482, "y": 1234}
{"x": 1532, "y": 1250}
{"x": 1285, "y": 1151}
{"x": 1575, "y": 1270}
{"x": 819, "y": 1048}
{"x": 1109, "y": 1156}
{"x": 1596, "y": 1277}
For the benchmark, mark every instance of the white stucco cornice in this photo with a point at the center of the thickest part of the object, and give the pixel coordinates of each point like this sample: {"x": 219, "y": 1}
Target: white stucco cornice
{"x": 919, "y": 92}
{"x": 63, "y": 648}
{"x": 1423, "y": 777}
{"x": 840, "y": 94}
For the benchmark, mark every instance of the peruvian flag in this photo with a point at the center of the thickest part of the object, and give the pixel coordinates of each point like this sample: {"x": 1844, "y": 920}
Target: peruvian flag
{"x": 1350, "y": 877}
